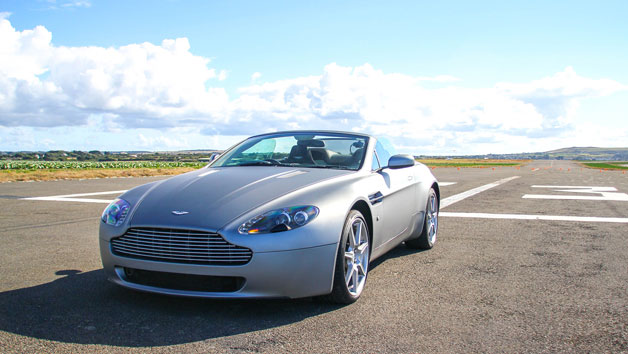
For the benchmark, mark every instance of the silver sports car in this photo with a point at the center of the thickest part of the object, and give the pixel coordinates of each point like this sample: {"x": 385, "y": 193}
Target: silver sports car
{"x": 289, "y": 214}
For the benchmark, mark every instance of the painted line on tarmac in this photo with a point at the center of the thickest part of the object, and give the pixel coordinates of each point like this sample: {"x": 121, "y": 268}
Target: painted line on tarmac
{"x": 533, "y": 217}
{"x": 604, "y": 193}
{"x": 443, "y": 184}
{"x": 471, "y": 192}
{"x": 73, "y": 197}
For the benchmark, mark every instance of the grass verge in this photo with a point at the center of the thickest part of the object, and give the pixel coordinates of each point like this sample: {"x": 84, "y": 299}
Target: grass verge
{"x": 56, "y": 174}
{"x": 606, "y": 165}
{"x": 473, "y": 163}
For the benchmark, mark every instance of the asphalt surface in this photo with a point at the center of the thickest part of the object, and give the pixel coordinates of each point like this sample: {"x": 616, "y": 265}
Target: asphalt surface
{"x": 489, "y": 285}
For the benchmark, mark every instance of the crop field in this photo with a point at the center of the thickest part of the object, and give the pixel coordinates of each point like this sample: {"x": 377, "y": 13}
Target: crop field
{"x": 478, "y": 163}
{"x": 12, "y": 171}
{"x": 84, "y": 165}
{"x": 607, "y": 165}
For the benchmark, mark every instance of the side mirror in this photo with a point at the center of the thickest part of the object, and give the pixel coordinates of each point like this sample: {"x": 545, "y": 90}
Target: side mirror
{"x": 214, "y": 156}
{"x": 400, "y": 161}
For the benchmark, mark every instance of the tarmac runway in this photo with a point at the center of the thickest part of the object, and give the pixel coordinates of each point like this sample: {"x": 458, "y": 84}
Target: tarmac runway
{"x": 529, "y": 259}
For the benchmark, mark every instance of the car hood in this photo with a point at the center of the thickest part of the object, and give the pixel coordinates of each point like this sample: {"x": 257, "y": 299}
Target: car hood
{"x": 212, "y": 197}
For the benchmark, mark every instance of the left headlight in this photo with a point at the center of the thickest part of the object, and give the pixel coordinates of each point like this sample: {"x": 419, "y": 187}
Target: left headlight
{"x": 116, "y": 212}
{"x": 279, "y": 220}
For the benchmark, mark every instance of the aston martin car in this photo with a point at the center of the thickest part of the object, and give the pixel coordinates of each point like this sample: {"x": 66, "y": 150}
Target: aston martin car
{"x": 280, "y": 215}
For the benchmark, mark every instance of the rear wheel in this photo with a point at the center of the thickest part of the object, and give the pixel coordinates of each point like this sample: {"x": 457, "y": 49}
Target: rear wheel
{"x": 352, "y": 260}
{"x": 427, "y": 238}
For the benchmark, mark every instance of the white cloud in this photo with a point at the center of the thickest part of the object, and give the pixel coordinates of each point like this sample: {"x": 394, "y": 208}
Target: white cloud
{"x": 67, "y": 4}
{"x": 439, "y": 78}
{"x": 45, "y": 85}
{"x": 76, "y": 3}
{"x": 160, "y": 87}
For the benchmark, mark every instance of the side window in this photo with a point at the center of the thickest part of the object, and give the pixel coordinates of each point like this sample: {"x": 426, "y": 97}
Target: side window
{"x": 376, "y": 164}
{"x": 384, "y": 151}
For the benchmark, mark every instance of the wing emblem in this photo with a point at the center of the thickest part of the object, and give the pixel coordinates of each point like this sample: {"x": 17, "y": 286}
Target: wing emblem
{"x": 180, "y": 212}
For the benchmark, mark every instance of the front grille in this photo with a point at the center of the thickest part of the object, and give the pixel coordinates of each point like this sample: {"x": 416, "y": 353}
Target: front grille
{"x": 185, "y": 282}
{"x": 179, "y": 246}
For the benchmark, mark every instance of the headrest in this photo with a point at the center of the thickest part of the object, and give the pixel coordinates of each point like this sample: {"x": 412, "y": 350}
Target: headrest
{"x": 311, "y": 143}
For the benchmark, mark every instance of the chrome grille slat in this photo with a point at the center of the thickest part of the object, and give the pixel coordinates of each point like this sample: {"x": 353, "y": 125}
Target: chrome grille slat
{"x": 226, "y": 257}
{"x": 180, "y": 250}
{"x": 178, "y": 235}
{"x": 171, "y": 232}
{"x": 176, "y": 239}
{"x": 171, "y": 258}
{"x": 175, "y": 243}
{"x": 166, "y": 237}
{"x": 179, "y": 246}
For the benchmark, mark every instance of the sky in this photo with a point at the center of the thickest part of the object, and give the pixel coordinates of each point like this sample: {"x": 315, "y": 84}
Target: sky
{"x": 435, "y": 78}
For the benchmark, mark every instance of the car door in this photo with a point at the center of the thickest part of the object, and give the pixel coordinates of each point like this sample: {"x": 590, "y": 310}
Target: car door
{"x": 398, "y": 198}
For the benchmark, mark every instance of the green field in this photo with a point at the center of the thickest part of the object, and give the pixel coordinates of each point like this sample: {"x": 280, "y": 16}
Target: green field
{"x": 89, "y": 165}
{"x": 471, "y": 163}
{"x": 608, "y": 165}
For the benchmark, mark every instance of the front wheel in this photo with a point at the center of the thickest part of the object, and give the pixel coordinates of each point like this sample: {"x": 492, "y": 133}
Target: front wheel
{"x": 352, "y": 260}
{"x": 427, "y": 239}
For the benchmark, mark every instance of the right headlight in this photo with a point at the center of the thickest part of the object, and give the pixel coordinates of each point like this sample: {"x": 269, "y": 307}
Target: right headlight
{"x": 279, "y": 220}
{"x": 116, "y": 212}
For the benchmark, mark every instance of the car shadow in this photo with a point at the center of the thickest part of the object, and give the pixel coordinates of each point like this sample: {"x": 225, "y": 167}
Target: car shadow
{"x": 399, "y": 251}
{"x": 84, "y": 308}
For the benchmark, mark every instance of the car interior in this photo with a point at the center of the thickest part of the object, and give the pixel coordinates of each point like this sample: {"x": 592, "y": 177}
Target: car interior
{"x": 314, "y": 152}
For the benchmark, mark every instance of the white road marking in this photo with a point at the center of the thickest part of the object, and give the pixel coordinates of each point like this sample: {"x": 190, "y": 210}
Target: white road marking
{"x": 576, "y": 187}
{"x": 443, "y": 184}
{"x": 471, "y": 192}
{"x": 534, "y": 217}
{"x": 605, "y": 193}
{"x": 73, "y": 197}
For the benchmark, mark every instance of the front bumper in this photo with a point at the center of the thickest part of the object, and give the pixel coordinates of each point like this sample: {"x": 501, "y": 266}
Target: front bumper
{"x": 292, "y": 273}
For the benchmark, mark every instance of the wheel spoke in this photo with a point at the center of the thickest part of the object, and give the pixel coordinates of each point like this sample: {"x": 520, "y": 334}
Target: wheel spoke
{"x": 358, "y": 233}
{"x": 349, "y": 256}
{"x": 351, "y": 238}
{"x": 349, "y": 275}
{"x": 359, "y": 251}
{"x": 361, "y": 269}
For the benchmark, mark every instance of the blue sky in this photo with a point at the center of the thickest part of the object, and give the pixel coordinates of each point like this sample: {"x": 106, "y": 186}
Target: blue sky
{"x": 437, "y": 78}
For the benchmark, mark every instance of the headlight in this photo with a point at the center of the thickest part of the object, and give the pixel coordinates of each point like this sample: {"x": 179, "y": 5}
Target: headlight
{"x": 116, "y": 212}
{"x": 279, "y": 220}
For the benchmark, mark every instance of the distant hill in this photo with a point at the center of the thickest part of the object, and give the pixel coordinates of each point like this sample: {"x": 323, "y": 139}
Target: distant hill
{"x": 571, "y": 153}
{"x": 591, "y": 153}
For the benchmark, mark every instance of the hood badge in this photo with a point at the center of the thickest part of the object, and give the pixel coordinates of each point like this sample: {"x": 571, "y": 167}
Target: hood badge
{"x": 180, "y": 212}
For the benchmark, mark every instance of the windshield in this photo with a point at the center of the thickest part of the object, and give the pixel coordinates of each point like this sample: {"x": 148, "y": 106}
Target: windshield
{"x": 337, "y": 151}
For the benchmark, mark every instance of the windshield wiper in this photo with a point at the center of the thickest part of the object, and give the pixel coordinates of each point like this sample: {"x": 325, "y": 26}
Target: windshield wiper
{"x": 256, "y": 163}
{"x": 335, "y": 167}
{"x": 262, "y": 163}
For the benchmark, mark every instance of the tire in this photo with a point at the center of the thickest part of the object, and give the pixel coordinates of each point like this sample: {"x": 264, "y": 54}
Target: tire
{"x": 427, "y": 238}
{"x": 352, "y": 260}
